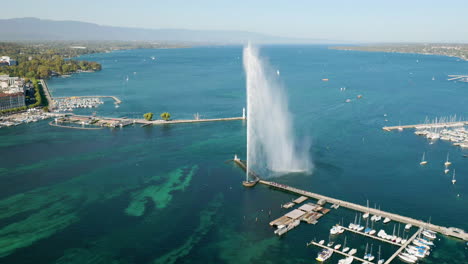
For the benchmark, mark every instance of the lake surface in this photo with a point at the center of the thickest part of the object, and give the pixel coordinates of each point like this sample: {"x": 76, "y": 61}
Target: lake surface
{"x": 165, "y": 194}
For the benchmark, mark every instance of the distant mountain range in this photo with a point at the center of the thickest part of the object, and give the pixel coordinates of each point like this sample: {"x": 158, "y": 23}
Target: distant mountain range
{"x": 34, "y": 29}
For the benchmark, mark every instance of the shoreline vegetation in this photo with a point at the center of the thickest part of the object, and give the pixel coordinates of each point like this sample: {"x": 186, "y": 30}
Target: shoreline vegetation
{"x": 451, "y": 50}
{"x": 43, "y": 60}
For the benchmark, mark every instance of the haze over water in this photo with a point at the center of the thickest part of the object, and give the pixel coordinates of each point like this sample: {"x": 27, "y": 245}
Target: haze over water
{"x": 164, "y": 194}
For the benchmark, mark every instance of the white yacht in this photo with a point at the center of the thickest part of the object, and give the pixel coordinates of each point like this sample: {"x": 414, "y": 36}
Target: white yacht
{"x": 352, "y": 251}
{"x": 447, "y": 162}
{"x": 408, "y": 226}
{"x": 453, "y": 177}
{"x": 405, "y": 258}
{"x": 347, "y": 260}
{"x": 386, "y": 220}
{"x": 345, "y": 248}
{"x": 423, "y": 160}
{"x": 336, "y": 247}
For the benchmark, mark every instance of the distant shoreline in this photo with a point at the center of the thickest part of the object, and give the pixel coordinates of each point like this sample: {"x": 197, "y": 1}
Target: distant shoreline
{"x": 447, "y": 50}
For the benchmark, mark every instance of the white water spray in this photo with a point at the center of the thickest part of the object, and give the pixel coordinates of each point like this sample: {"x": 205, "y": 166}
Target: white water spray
{"x": 271, "y": 143}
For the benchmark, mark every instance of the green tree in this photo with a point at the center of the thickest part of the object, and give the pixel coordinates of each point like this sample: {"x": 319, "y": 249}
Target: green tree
{"x": 148, "y": 116}
{"x": 165, "y": 116}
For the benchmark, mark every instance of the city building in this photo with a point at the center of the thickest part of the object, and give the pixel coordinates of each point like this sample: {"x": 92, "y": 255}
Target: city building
{"x": 12, "y": 100}
{"x": 7, "y": 61}
{"x": 11, "y": 92}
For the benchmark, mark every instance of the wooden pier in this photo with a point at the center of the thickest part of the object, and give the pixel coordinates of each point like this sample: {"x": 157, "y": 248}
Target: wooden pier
{"x": 457, "y": 77}
{"x": 438, "y": 125}
{"x": 448, "y": 231}
{"x": 115, "y": 98}
{"x": 371, "y": 236}
{"x": 339, "y": 252}
{"x": 404, "y": 246}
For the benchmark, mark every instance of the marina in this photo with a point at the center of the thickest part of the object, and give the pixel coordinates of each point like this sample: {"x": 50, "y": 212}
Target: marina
{"x": 446, "y": 129}
{"x": 448, "y": 231}
{"x": 311, "y": 212}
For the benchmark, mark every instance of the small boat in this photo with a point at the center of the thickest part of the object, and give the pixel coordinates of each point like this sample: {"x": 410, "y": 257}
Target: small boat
{"x": 338, "y": 246}
{"x": 446, "y": 169}
{"x": 371, "y": 257}
{"x": 366, "y": 256}
{"x": 372, "y": 232}
{"x": 433, "y": 78}
{"x": 347, "y": 260}
{"x": 352, "y": 251}
{"x": 423, "y": 160}
{"x": 366, "y": 214}
{"x": 408, "y": 226}
{"x": 447, "y": 162}
{"x": 324, "y": 255}
{"x": 405, "y": 258}
{"x": 334, "y": 230}
{"x": 348, "y": 100}
{"x": 345, "y": 248}
{"x": 330, "y": 243}
{"x": 380, "y": 261}
{"x": 277, "y": 72}
{"x": 429, "y": 235}
{"x": 321, "y": 242}
{"x": 386, "y": 220}
{"x": 453, "y": 177}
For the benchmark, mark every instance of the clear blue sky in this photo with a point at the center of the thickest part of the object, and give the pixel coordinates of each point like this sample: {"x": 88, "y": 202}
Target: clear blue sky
{"x": 351, "y": 20}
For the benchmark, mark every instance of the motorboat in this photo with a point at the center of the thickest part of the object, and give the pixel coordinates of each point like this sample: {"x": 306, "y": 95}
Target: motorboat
{"x": 347, "y": 260}
{"x": 324, "y": 255}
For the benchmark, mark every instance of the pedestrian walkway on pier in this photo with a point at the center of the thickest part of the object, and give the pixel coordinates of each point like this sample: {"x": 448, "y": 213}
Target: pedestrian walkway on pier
{"x": 338, "y": 251}
{"x": 404, "y": 246}
{"x": 438, "y": 125}
{"x": 448, "y": 231}
{"x": 115, "y": 98}
{"x": 371, "y": 236}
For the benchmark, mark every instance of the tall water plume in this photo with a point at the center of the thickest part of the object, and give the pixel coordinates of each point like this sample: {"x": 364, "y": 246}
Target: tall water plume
{"x": 271, "y": 143}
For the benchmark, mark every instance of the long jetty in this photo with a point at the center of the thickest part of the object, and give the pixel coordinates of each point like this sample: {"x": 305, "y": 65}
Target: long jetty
{"x": 123, "y": 121}
{"x": 439, "y": 125}
{"x": 115, "y": 98}
{"x": 47, "y": 93}
{"x": 456, "y": 77}
{"x": 448, "y": 231}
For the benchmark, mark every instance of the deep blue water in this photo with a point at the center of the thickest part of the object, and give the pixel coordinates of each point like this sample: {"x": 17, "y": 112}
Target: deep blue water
{"x": 165, "y": 194}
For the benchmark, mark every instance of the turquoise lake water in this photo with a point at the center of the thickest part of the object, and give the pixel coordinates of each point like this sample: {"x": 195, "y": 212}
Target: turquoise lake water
{"x": 165, "y": 194}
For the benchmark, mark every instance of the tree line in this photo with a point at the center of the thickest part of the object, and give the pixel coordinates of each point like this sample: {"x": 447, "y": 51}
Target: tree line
{"x": 42, "y": 61}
